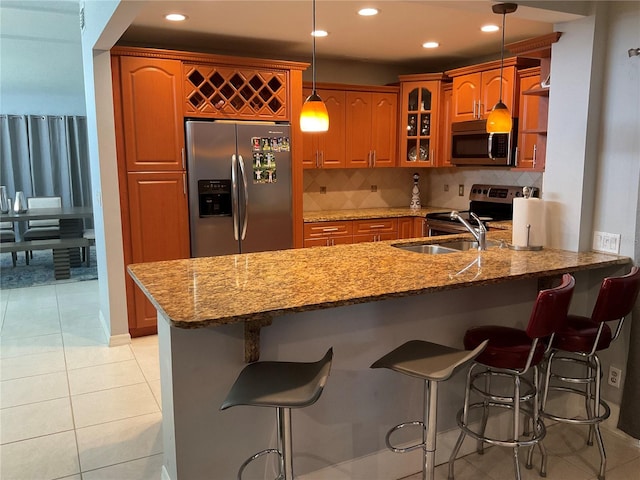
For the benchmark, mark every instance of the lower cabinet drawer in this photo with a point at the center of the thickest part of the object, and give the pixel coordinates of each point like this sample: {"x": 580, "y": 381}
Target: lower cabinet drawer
{"x": 374, "y": 237}
{"x": 375, "y": 226}
{"x": 326, "y": 242}
{"x": 327, "y": 229}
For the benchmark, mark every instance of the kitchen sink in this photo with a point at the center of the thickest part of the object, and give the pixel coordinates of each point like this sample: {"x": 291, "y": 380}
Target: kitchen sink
{"x": 462, "y": 245}
{"x": 428, "y": 249}
{"x": 445, "y": 247}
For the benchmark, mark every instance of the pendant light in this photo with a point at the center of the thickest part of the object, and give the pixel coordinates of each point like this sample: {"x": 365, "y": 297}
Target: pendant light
{"x": 314, "y": 116}
{"x": 499, "y": 120}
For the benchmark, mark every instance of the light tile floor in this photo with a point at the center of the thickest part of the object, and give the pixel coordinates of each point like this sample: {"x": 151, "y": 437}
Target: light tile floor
{"x": 73, "y": 408}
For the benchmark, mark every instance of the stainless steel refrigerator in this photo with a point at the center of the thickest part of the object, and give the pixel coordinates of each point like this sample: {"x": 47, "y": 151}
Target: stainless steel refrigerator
{"x": 239, "y": 177}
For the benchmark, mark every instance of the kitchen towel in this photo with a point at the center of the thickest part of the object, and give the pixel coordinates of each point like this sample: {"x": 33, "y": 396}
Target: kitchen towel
{"x": 528, "y": 211}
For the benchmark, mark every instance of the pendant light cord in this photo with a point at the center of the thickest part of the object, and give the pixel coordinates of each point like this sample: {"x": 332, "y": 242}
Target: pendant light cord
{"x": 313, "y": 51}
{"x": 504, "y": 15}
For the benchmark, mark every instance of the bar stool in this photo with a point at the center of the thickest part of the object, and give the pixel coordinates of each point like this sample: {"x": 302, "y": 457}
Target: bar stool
{"x": 578, "y": 342}
{"x": 283, "y": 386}
{"x": 432, "y": 363}
{"x": 511, "y": 352}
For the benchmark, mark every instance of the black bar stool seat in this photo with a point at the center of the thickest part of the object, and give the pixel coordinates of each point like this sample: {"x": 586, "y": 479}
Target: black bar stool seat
{"x": 283, "y": 386}
{"x": 432, "y": 363}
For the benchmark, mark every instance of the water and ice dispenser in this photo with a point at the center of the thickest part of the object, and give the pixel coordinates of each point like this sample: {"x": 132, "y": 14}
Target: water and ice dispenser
{"x": 214, "y": 198}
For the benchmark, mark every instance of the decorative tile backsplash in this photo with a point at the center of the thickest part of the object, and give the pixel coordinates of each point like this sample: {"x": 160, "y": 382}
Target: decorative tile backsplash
{"x": 343, "y": 189}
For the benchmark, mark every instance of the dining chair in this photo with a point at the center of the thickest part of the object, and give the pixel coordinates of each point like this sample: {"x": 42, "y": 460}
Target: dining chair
{"x": 8, "y": 234}
{"x": 42, "y": 229}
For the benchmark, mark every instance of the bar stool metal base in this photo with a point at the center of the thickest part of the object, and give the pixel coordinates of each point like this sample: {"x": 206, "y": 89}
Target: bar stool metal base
{"x": 428, "y": 444}
{"x": 284, "y": 450}
{"x": 596, "y": 409}
{"x": 516, "y": 403}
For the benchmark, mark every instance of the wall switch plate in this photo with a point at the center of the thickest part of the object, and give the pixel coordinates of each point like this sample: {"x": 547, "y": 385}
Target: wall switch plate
{"x": 323, "y": 190}
{"x": 461, "y": 190}
{"x": 615, "y": 376}
{"x": 374, "y": 188}
{"x": 446, "y": 187}
{"x": 606, "y": 242}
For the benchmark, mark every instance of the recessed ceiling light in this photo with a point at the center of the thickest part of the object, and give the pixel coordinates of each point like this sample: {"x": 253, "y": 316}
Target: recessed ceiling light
{"x": 368, "y": 12}
{"x": 319, "y": 33}
{"x": 430, "y": 44}
{"x": 489, "y": 28}
{"x": 175, "y": 17}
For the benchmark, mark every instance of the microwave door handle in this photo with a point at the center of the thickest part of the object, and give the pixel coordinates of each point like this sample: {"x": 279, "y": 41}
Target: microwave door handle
{"x": 245, "y": 194}
{"x": 490, "y": 146}
{"x": 234, "y": 195}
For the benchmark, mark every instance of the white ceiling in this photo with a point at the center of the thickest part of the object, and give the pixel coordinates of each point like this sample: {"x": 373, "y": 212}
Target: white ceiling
{"x": 281, "y": 29}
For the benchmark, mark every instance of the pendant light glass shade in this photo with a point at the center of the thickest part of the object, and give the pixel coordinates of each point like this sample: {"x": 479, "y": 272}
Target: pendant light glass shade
{"x": 314, "y": 116}
{"x": 499, "y": 120}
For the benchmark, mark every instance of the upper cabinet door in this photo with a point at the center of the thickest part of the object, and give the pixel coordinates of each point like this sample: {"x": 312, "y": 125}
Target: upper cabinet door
{"x": 326, "y": 149}
{"x": 384, "y": 114}
{"x": 358, "y": 124}
{"x": 152, "y": 113}
{"x": 490, "y": 89}
{"x": 466, "y": 96}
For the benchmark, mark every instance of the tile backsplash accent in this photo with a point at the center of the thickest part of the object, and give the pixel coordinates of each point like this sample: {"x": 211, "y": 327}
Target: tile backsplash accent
{"x": 353, "y": 188}
{"x": 391, "y": 187}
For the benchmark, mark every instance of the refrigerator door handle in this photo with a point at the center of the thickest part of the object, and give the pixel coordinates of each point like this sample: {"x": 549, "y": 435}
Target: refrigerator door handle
{"x": 245, "y": 194}
{"x": 234, "y": 195}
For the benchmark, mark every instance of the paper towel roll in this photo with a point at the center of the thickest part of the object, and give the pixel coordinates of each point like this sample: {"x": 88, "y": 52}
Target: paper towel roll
{"x": 528, "y": 211}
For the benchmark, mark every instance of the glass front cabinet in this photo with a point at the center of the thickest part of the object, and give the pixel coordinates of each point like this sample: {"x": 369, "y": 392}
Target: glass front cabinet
{"x": 419, "y": 142}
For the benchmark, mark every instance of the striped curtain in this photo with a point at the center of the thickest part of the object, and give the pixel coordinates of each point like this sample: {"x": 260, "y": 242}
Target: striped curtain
{"x": 46, "y": 156}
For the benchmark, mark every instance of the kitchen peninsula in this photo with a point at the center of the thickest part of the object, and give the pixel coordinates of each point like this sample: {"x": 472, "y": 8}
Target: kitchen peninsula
{"x": 311, "y": 299}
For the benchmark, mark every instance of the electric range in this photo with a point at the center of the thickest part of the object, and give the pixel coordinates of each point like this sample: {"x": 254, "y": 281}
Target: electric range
{"x": 488, "y": 202}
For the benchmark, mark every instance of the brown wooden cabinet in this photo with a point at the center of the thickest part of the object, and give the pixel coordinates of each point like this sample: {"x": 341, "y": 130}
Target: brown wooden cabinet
{"x": 324, "y": 234}
{"x": 475, "y": 94}
{"x": 476, "y": 88}
{"x": 531, "y": 127}
{"x": 159, "y": 222}
{"x": 236, "y": 92}
{"x": 375, "y": 230}
{"x": 326, "y": 149}
{"x": 419, "y": 119}
{"x": 362, "y": 128}
{"x": 371, "y": 129}
{"x": 151, "y": 92}
{"x": 444, "y": 129}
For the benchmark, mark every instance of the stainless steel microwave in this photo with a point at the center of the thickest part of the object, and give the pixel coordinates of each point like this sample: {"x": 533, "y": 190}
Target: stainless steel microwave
{"x": 472, "y": 145}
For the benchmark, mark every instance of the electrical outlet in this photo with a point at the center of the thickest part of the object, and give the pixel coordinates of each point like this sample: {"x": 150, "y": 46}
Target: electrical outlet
{"x": 615, "y": 376}
{"x": 446, "y": 187}
{"x": 323, "y": 190}
{"x": 461, "y": 190}
{"x": 606, "y": 242}
{"x": 374, "y": 188}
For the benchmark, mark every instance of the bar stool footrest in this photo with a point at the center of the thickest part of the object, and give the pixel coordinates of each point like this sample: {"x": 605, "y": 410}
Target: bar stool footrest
{"x": 577, "y": 421}
{"x": 540, "y": 430}
{"x": 258, "y": 455}
{"x": 398, "y": 427}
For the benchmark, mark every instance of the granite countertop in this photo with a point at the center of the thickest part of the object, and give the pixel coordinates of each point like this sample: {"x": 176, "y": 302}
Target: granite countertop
{"x": 366, "y": 213}
{"x": 200, "y": 292}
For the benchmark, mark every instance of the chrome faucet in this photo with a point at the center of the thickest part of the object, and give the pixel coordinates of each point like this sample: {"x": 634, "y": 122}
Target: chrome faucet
{"x": 480, "y": 233}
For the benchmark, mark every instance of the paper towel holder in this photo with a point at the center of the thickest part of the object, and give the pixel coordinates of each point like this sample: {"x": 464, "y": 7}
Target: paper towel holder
{"x": 526, "y": 193}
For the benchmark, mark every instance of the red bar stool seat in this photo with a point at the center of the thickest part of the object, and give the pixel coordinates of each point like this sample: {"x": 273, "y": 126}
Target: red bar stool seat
{"x": 577, "y": 342}
{"x": 510, "y": 354}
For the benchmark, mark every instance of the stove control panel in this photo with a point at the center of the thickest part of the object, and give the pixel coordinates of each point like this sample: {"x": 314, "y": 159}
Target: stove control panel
{"x": 497, "y": 193}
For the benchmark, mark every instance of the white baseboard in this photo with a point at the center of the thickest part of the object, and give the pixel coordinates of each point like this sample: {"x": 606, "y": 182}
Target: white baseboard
{"x": 114, "y": 340}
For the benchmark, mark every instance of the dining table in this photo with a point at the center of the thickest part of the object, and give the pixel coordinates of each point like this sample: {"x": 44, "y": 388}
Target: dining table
{"x": 71, "y": 227}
